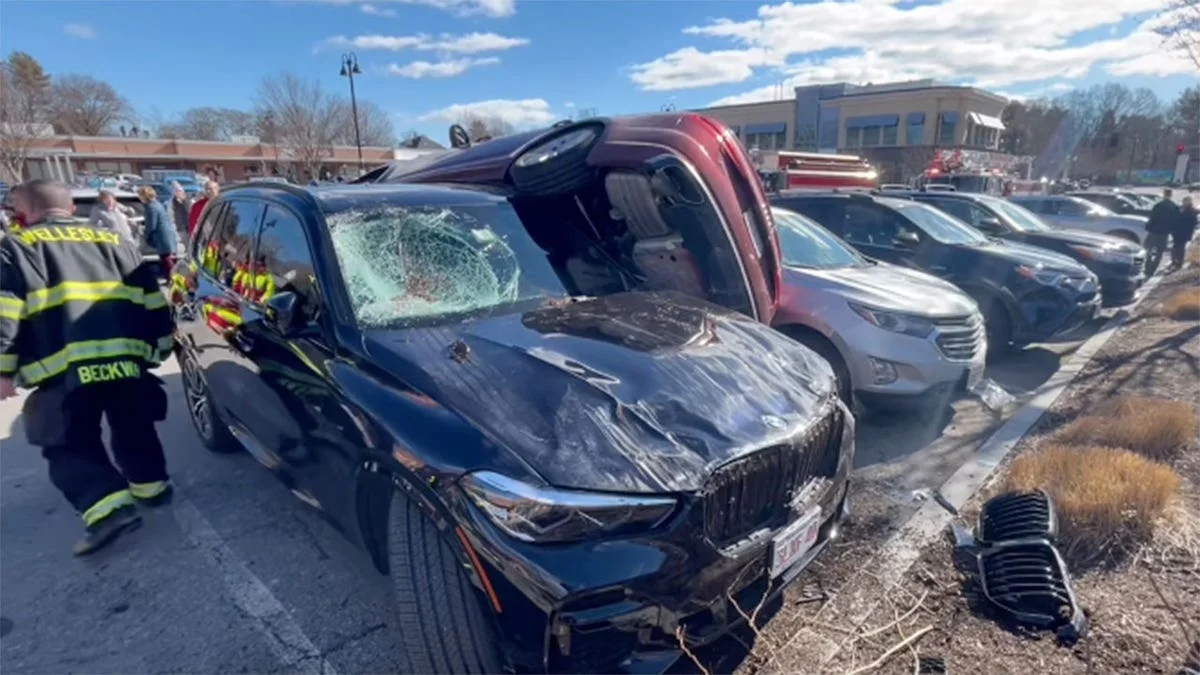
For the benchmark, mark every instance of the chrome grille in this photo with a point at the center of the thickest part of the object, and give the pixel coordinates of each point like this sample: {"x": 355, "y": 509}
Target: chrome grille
{"x": 960, "y": 338}
{"x": 755, "y": 491}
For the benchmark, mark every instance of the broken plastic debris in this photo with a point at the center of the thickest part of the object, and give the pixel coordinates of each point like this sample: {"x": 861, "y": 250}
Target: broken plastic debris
{"x": 963, "y": 537}
{"x": 993, "y": 395}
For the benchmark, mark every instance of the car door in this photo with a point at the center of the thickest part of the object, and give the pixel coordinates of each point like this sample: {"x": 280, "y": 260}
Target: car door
{"x": 881, "y": 234}
{"x": 1069, "y": 212}
{"x": 972, "y": 214}
{"x": 319, "y": 442}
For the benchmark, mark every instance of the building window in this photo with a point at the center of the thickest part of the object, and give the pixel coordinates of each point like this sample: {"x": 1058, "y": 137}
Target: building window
{"x": 946, "y": 129}
{"x": 915, "y": 133}
{"x": 852, "y": 137}
{"x": 888, "y": 135}
{"x": 870, "y": 136}
{"x": 767, "y": 141}
{"x": 872, "y": 131}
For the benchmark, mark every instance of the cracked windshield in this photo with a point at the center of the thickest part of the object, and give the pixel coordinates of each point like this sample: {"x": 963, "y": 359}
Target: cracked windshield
{"x": 833, "y": 337}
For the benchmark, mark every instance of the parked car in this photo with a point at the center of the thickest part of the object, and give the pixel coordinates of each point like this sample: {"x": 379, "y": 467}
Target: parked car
{"x": 894, "y": 336}
{"x": 654, "y": 201}
{"x": 554, "y": 481}
{"x": 1115, "y": 202}
{"x": 1026, "y": 294}
{"x": 1065, "y": 211}
{"x": 1116, "y": 262}
{"x": 85, "y": 199}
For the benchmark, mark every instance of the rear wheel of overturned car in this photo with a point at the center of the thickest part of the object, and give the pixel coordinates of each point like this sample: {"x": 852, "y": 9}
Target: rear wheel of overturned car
{"x": 212, "y": 431}
{"x": 443, "y": 624}
{"x": 557, "y": 165}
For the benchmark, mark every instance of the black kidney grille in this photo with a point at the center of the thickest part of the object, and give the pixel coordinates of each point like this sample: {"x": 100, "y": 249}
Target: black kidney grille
{"x": 1028, "y": 580}
{"x": 1017, "y": 515}
{"x": 756, "y": 490}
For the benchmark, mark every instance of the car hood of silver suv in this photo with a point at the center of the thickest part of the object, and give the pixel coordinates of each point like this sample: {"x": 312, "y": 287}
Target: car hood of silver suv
{"x": 887, "y": 287}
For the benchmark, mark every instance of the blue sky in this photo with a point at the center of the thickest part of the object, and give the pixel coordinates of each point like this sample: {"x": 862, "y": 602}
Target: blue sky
{"x": 534, "y": 61}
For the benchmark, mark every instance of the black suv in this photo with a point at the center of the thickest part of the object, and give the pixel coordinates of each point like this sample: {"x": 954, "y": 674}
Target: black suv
{"x": 1115, "y": 261}
{"x": 1026, "y": 294}
{"x": 554, "y": 482}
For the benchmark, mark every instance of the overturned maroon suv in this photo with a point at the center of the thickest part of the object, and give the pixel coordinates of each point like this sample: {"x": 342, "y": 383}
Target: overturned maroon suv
{"x": 668, "y": 457}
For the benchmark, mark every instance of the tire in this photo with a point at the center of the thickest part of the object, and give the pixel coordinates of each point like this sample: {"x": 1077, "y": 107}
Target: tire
{"x": 557, "y": 165}
{"x": 208, "y": 425}
{"x": 998, "y": 325}
{"x": 442, "y": 621}
{"x": 822, "y": 346}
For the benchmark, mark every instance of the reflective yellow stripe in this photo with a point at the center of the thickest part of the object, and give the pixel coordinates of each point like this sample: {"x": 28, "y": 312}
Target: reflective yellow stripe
{"x": 106, "y": 506}
{"x": 155, "y": 300}
{"x": 8, "y": 363}
{"x": 11, "y": 307}
{"x": 148, "y": 490}
{"x": 58, "y": 362}
{"x": 83, "y": 291}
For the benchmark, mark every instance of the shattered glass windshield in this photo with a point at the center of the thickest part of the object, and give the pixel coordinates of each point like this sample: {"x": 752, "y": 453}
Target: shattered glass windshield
{"x": 410, "y": 266}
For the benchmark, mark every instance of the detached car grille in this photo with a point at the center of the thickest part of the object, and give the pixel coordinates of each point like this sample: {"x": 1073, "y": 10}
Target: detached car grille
{"x": 960, "y": 338}
{"x": 756, "y": 491}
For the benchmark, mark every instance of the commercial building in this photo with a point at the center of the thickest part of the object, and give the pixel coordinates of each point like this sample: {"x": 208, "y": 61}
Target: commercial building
{"x": 902, "y": 128}
{"x": 69, "y": 156}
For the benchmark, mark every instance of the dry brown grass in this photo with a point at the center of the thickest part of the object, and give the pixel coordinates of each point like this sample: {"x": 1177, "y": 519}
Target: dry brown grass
{"x": 1108, "y": 500}
{"x": 1156, "y": 428}
{"x": 1193, "y": 254}
{"x": 1183, "y": 305}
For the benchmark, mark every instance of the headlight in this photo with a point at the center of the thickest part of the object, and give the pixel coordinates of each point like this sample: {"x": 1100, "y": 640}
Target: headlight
{"x": 542, "y": 514}
{"x": 1104, "y": 255}
{"x": 905, "y": 324}
{"x": 1040, "y": 275}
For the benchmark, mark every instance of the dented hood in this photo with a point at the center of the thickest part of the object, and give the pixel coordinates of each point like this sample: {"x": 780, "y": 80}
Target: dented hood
{"x": 635, "y": 392}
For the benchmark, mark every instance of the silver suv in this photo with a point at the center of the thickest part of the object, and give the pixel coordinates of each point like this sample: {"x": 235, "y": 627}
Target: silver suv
{"x": 894, "y": 336}
{"x": 1080, "y": 214}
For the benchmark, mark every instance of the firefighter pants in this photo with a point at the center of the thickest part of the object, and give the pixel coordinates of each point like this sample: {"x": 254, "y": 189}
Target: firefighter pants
{"x": 79, "y": 464}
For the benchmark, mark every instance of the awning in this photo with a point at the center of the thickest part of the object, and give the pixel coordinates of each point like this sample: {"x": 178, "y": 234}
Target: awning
{"x": 775, "y": 128}
{"x": 986, "y": 121}
{"x": 872, "y": 121}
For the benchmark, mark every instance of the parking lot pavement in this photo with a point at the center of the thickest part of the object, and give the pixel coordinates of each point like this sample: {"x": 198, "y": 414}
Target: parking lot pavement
{"x": 240, "y": 576}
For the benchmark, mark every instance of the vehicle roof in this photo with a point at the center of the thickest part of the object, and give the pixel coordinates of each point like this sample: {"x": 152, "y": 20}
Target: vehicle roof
{"x": 84, "y": 193}
{"x": 342, "y": 196}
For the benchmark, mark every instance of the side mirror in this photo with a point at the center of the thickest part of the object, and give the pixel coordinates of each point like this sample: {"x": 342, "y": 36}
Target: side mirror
{"x": 908, "y": 239}
{"x": 283, "y": 313}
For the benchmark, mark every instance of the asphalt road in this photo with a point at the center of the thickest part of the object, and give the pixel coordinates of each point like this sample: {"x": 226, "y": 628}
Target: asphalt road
{"x": 240, "y": 576}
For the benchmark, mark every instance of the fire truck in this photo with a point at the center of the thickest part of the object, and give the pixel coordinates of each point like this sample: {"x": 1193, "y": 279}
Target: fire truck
{"x": 782, "y": 170}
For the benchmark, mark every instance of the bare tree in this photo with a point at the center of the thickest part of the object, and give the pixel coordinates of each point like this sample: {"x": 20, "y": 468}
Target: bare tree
{"x": 209, "y": 124}
{"x": 1179, "y": 26}
{"x": 85, "y": 106}
{"x": 24, "y": 94}
{"x": 481, "y": 128}
{"x": 374, "y": 126}
{"x": 304, "y": 119}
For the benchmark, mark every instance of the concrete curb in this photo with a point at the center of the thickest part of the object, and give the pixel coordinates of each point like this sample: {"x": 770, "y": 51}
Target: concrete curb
{"x": 900, "y": 551}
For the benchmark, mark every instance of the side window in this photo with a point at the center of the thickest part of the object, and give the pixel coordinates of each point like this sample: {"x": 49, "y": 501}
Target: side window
{"x": 872, "y": 226}
{"x": 827, "y": 212}
{"x": 1035, "y": 205}
{"x": 961, "y": 209}
{"x": 205, "y": 230}
{"x": 284, "y": 254}
{"x": 1067, "y": 207}
{"x": 232, "y": 243}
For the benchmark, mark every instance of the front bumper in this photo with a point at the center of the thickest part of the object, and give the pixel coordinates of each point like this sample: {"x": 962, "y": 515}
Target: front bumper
{"x": 1119, "y": 283}
{"x": 920, "y": 365}
{"x": 623, "y": 604}
{"x": 1047, "y": 313}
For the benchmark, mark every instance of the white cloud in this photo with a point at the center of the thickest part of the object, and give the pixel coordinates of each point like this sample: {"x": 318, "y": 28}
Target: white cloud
{"x": 422, "y": 69}
{"x": 80, "y": 30}
{"x": 569, "y": 104}
{"x": 375, "y": 10}
{"x": 987, "y": 43}
{"x": 529, "y": 112}
{"x": 470, "y": 43}
{"x": 489, "y": 8}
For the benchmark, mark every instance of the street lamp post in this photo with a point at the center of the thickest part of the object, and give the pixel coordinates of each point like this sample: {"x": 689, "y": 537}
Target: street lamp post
{"x": 349, "y": 70}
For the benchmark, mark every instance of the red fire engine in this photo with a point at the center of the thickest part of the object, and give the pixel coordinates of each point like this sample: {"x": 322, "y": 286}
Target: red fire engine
{"x": 784, "y": 169}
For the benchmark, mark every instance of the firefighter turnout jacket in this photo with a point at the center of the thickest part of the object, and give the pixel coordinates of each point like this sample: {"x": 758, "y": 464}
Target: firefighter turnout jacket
{"x": 78, "y": 306}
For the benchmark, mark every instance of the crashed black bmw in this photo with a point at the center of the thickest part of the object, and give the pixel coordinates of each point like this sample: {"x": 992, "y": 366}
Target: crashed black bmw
{"x": 553, "y": 482}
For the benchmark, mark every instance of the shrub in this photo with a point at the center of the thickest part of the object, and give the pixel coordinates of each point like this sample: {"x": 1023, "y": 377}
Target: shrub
{"x": 1107, "y": 499}
{"x": 1153, "y": 427}
{"x": 1183, "y": 305}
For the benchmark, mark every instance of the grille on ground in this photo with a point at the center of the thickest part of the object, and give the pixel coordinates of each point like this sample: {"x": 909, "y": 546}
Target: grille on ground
{"x": 1028, "y": 580}
{"x": 1017, "y": 515}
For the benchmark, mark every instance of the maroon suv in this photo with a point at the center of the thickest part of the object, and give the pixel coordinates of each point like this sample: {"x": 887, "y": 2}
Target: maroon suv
{"x": 654, "y": 202}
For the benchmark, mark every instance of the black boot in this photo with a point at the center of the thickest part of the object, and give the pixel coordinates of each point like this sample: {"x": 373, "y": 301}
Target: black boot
{"x": 102, "y": 532}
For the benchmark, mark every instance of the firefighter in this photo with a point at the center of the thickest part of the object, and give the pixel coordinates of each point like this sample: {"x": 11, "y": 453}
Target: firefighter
{"x": 82, "y": 321}
{"x": 259, "y": 285}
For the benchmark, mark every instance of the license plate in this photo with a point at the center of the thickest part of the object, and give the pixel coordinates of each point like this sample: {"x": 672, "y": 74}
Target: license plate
{"x": 974, "y": 375}
{"x": 788, "y": 547}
